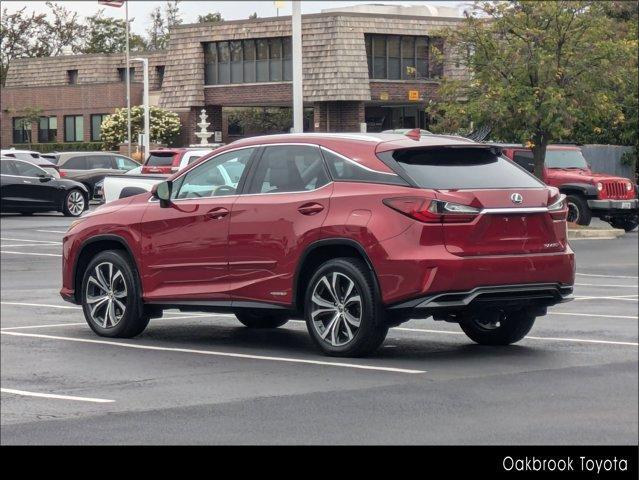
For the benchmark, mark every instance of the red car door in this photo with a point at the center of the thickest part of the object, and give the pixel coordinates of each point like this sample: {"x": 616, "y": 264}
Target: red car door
{"x": 280, "y": 215}
{"x": 185, "y": 246}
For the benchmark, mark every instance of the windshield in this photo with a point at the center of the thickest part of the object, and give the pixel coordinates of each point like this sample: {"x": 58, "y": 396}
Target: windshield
{"x": 462, "y": 168}
{"x": 565, "y": 159}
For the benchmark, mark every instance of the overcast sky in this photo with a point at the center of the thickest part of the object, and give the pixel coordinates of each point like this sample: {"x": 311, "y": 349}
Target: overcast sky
{"x": 230, "y": 10}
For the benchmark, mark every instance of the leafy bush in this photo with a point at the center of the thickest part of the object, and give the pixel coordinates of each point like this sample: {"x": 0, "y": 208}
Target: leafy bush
{"x": 61, "y": 147}
{"x": 165, "y": 126}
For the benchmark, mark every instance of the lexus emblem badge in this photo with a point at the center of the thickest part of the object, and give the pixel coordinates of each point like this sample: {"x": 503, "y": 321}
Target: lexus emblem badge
{"x": 517, "y": 198}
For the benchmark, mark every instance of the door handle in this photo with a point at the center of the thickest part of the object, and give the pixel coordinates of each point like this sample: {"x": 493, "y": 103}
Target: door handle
{"x": 217, "y": 213}
{"x": 310, "y": 208}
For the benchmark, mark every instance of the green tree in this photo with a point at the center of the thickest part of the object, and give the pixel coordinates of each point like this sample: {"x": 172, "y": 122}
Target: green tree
{"x": 108, "y": 35}
{"x": 536, "y": 69}
{"x": 212, "y": 17}
{"x": 165, "y": 126}
{"x": 262, "y": 119}
{"x": 29, "y": 116}
{"x": 161, "y": 25}
{"x": 17, "y": 31}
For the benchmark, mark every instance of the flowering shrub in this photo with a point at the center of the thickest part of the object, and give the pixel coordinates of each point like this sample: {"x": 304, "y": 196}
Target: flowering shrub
{"x": 165, "y": 126}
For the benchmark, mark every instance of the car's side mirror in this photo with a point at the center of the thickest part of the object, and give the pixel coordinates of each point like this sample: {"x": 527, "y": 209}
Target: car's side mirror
{"x": 163, "y": 192}
{"x": 45, "y": 178}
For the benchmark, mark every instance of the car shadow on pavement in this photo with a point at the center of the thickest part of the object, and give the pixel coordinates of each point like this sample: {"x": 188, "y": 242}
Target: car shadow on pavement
{"x": 295, "y": 341}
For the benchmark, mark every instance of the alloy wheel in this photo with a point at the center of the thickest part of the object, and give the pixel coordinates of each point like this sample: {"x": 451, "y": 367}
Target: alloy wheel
{"x": 75, "y": 203}
{"x": 336, "y": 310}
{"x": 106, "y": 295}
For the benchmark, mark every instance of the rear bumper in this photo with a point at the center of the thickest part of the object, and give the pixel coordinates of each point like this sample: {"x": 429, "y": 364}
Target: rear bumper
{"x": 493, "y": 296}
{"x": 624, "y": 206}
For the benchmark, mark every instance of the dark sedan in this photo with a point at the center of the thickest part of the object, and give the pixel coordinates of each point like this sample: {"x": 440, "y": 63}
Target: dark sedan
{"x": 26, "y": 188}
{"x": 89, "y": 168}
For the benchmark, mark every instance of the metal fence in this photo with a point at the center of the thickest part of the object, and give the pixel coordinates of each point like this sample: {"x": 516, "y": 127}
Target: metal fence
{"x": 607, "y": 159}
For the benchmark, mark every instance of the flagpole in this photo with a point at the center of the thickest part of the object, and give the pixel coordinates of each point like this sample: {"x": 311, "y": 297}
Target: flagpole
{"x": 128, "y": 83}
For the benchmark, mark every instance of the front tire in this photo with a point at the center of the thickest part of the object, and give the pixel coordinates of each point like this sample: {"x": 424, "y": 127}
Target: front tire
{"x": 74, "y": 203}
{"x": 578, "y": 210}
{"x": 498, "y": 328}
{"x": 260, "y": 318}
{"x": 111, "y": 296}
{"x": 343, "y": 309}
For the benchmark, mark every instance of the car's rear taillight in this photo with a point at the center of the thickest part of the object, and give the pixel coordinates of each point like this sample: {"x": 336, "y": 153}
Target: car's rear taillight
{"x": 559, "y": 208}
{"x": 432, "y": 211}
{"x": 63, "y": 174}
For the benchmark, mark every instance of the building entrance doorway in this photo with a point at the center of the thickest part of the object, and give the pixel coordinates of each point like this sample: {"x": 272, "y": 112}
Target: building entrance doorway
{"x": 380, "y": 118}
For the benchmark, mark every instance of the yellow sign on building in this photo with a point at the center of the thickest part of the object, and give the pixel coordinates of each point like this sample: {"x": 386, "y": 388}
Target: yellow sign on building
{"x": 413, "y": 94}
{"x": 383, "y": 96}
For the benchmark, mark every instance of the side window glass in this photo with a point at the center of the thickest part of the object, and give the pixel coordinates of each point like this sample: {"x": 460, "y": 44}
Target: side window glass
{"x": 25, "y": 169}
{"x": 122, "y": 163}
{"x": 289, "y": 168}
{"x": 75, "y": 163}
{"x": 525, "y": 160}
{"x": 100, "y": 161}
{"x": 345, "y": 170}
{"x": 192, "y": 159}
{"x": 7, "y": 167}
{"x": 212, "y": 178}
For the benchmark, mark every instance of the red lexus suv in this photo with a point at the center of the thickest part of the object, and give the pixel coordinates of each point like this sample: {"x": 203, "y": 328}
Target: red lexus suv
{"x": 355, "y": 233}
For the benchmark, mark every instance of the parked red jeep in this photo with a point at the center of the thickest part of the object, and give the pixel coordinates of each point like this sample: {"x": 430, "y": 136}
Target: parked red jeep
{"x": 167, "y": 161}
{"x": 612, "y": 199}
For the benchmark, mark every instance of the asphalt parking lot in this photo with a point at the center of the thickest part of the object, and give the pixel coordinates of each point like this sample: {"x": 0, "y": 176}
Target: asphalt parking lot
{"x": 205, "y": 379}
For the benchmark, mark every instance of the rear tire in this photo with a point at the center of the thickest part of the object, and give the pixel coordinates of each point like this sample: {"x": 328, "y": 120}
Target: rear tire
{"x": 111, "y": 296}
{"x": 625, "y": 224}
{"x": 498, "y": 328}
{"x": 578, "y": 210}
{"x": 343, "y": 310}
{"x": 260, "y": 318}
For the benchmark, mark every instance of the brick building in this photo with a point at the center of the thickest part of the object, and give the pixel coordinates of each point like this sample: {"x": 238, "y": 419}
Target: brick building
{"x": 369, "y": 64}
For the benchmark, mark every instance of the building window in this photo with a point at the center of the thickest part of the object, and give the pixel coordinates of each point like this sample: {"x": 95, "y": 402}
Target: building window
{"x": 159, "y": 72}
{"x": 401, "y": 57}
{"x": 96, "y": 127}
{"x": 21, "y": 130}
{"x": 72, "y": 77}
{"x": 122, "y": 73}
{"x": 47, "y": 129}
{"x": 74, "y": 128}
{"x": 248, "y": 61}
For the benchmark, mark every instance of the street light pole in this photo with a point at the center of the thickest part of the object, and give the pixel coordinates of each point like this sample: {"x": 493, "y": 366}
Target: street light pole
{"x": 298, "y": 100}
{"x": 147, "y": 119}
{"x": 128, "y": 83}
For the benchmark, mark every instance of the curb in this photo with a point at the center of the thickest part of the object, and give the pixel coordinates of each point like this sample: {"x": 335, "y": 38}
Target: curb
{"x": 600, "y": 233}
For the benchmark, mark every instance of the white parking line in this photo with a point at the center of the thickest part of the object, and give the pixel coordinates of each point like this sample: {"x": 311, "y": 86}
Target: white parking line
{"x": 606, "y": 285}
{"x": 593, "y": 315}
{"x": 625, "y": 298}
{"x": 58, "y": 397}
{"x": 31, "y": 253}
{"x": 218, "y": 353}
{"x": 51, "y": 231}
{"x": 30, "y": 245}
{"x": 603, "y": 276}
{"x": 20, "y": 304}
{"x": 30, "y": 240}
{"x": 45, "y": 325}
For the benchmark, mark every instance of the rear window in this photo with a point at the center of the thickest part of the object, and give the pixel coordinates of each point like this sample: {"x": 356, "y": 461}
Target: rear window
{"x": 565, "y": 159}
{"x": 52, "y": 158}
{"x": 462, "y": 168}
{"x": 160, "y": 159}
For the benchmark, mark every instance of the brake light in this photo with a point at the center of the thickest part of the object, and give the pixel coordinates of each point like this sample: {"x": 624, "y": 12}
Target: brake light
{"x": 432, "y": 211}
{"x": 559, "y": 209}
{"x": 62, "y": 173}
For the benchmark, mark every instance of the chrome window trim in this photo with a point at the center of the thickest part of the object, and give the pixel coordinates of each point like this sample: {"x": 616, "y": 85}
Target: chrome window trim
{"x": 393, "y": 174}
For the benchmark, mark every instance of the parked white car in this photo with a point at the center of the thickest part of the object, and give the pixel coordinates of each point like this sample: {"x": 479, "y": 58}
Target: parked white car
{"x": 134, "y": 183}
{"x": 34, "y": 158}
